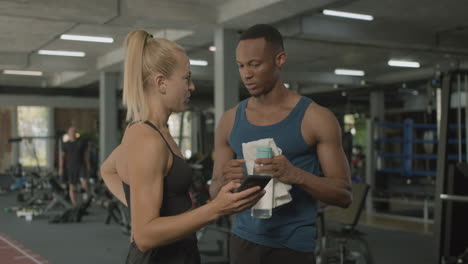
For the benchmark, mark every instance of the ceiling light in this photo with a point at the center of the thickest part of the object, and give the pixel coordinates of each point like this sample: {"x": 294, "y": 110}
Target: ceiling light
{"x": 349, "y": 72}
{"x": 409, "y": 64}
{"x": 198, "y": 62}
{"x": 212, "y": 48}
{"x": 30, "y": 73}
{"x": 87, "y": 38}
{"x": 347, "y": 15}
{"x": 62, "y": 53}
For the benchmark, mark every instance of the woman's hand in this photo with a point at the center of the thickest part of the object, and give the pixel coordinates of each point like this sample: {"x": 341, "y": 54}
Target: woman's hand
{"x": 229, "y": 202}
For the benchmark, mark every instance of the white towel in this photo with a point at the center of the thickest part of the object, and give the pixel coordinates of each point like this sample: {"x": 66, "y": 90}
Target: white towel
{"x": 277, "y": 193}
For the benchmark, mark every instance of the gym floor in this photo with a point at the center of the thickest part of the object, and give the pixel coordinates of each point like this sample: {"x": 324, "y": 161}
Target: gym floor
{"x": 91, "y": 241}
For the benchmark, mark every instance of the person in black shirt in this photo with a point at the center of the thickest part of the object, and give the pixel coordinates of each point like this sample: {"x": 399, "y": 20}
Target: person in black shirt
{"x": 77, "y": 165}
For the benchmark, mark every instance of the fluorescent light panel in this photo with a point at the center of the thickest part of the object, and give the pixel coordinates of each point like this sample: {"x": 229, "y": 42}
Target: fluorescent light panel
{"x": 29, "y": 73}
{"x": 87, "y": 38}
{"x": 329, "y": 12}
{"x": 399, "y": 63}
{"x": 349, "y": 72}
{"x": 62, "y": 53}
{"x": 198, "y": 62}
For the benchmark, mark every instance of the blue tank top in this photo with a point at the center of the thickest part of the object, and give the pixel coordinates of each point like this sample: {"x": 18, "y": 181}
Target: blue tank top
{"x": 292, "y": 225}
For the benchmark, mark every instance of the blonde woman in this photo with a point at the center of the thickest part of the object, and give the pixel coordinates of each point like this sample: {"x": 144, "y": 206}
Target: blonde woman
{"x": 147, "y": 172}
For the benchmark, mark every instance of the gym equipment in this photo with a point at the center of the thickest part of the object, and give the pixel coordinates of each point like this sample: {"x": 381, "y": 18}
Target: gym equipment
{"x": 13, "y": 179}
{"x": 119, "y": 213}
{"x": 451, "y": 197}
{"x": 116, "y": 211}
{"x": 29, "y": 182}
{"x": 31, "y": 146}
{"x": 58, "y": 197}
{"x": 202, "y": 167}
{"x": 461, "y": 259}
{"x": 347, "y": 244}
{"x": 407, "y": 143}
{"x": 219, "y": 230}
{"x": 27, "y": 213}
{"x": 403, "y": 174}
{"x": 72, "y": 215}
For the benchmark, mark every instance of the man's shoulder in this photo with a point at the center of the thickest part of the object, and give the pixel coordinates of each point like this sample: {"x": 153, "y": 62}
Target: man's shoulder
{"x": 229, "y": 116}
{"x": 316, "y": 111}
{"x": 226, "y": 122}
{"x": 318, "y": 118}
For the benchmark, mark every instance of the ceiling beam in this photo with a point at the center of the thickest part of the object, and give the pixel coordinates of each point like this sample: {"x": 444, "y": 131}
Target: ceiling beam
{"x": 373, "y": 34}
{"x": 321, "y": 77}
{"x": 84, "y": 11}
{"x": 317, "y": 88}
{"x": 404, "y": 76}
{"x": 164, "y": 13}
{"x": 53, "y": 63}
{"x": 111, "y": 61}
{"x": 65, "y": 77}
{"x": 115, "y": 58}
{"x": 13, "y": 60}
{"x": 244, "y": 13}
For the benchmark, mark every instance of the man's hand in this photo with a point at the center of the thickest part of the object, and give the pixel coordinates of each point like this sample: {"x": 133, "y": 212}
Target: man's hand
{"x": 233, "y": 170}
{"x": 282, "y": 169}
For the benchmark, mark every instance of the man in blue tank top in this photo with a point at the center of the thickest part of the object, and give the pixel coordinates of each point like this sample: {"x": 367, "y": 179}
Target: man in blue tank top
{"x": 312, "y": 161}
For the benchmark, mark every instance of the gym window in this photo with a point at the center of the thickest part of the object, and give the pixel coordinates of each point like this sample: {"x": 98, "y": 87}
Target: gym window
{"x": 33, "y": 121}
{"x": 182, "y": 131}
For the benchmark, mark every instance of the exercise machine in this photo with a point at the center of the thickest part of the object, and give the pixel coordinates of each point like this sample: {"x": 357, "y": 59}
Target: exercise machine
{"x": 451, "y": 197}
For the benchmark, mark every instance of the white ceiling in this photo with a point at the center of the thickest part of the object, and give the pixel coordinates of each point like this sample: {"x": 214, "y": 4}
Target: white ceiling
{"x": 433, "y": 32}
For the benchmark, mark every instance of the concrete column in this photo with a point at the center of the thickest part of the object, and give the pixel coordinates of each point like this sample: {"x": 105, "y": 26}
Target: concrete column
{"x": 377, "y": 105}
{"x": 14, "y": 134}
{"x": 50, "y": 142}
{"x": 377, "y": 114}
{"x": 108, "y": 108}
{"x": 226, "y": 94}
{"x": 377, "y": 111}
{"x": 195, "y": 129}
{"x": 370, "y": 164}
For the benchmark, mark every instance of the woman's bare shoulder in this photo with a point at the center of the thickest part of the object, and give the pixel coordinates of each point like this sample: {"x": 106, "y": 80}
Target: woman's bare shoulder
{"x": 141, "y": 138}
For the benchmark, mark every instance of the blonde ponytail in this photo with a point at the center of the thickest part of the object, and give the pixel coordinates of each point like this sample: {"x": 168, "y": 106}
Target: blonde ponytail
{"x": 144, "y": 56}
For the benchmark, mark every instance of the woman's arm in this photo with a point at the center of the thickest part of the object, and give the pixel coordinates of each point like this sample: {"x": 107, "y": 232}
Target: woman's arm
{"x": 111, "y": 177}
{"x": 148, "y": 162}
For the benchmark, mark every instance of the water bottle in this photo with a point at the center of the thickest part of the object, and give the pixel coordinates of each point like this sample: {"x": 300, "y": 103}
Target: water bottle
{"x": 262, "y": 152}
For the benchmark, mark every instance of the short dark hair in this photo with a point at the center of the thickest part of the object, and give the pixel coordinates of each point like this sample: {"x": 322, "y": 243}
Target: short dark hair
{"x": 269, "y": 33}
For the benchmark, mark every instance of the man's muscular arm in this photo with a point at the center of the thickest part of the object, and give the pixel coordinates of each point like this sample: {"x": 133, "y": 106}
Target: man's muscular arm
{"x": 335, "y": 187}
{"x": 225, "y": 168}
